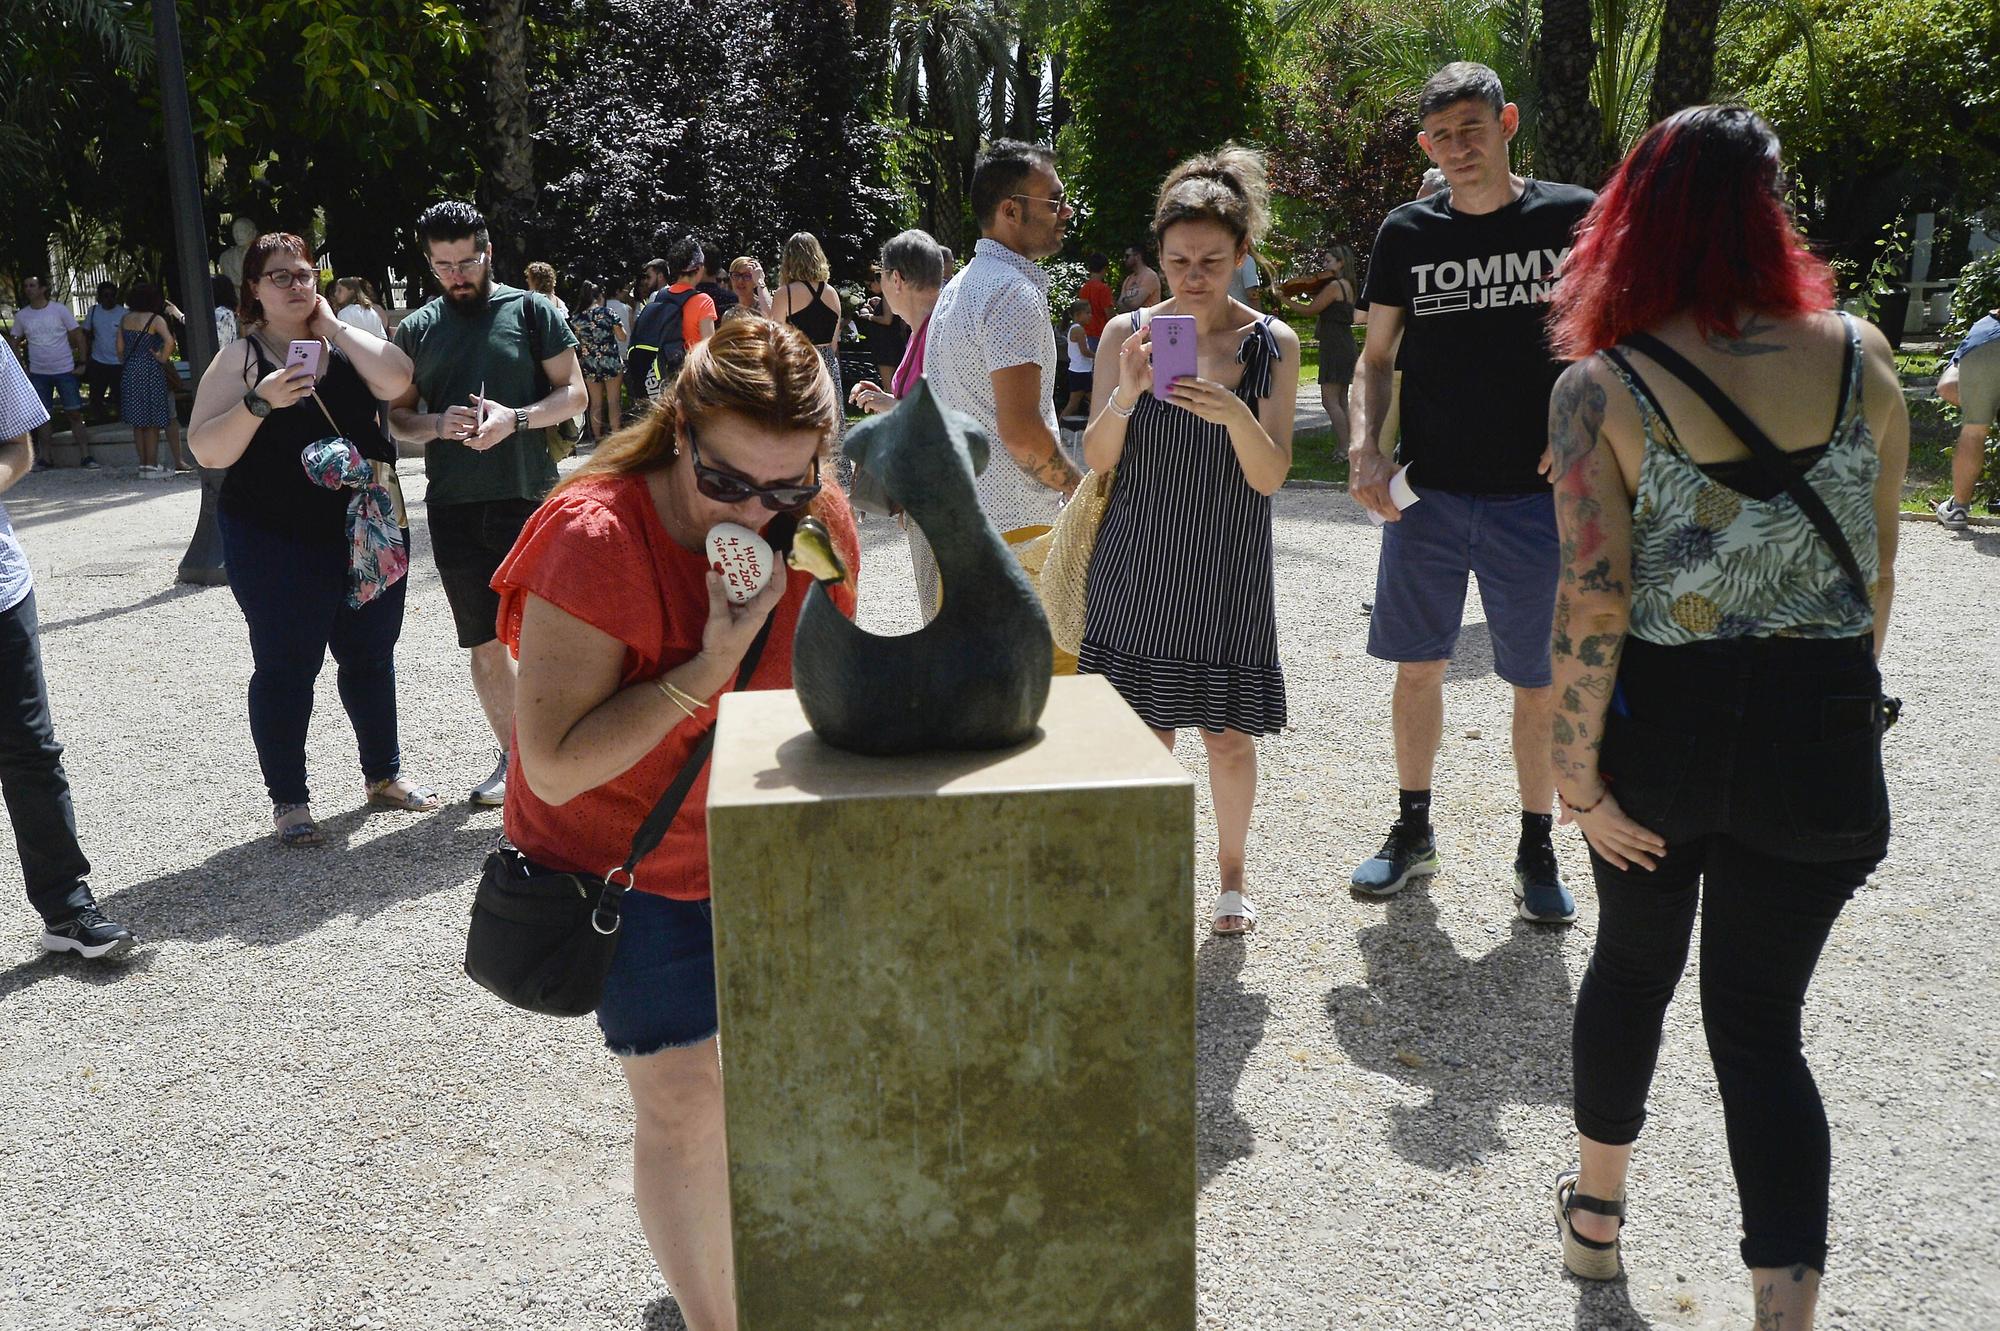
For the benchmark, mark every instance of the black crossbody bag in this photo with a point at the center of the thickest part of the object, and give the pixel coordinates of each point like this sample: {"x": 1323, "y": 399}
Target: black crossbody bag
{"x": 543, "y": 939}
{"x": 1768, "y": 455}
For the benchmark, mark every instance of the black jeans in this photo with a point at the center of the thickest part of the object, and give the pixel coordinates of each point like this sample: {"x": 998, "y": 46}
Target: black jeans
{"x": 1759, "y": 763}
{"x": 294, "y": 596}
{"x": 31, "y": 774}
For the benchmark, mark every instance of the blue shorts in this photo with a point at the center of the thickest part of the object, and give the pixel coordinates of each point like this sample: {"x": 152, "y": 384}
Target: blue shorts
{"x": 660, "y": 993}
{"x": 1510, "y": 541}
{"x": 50, "y": 387}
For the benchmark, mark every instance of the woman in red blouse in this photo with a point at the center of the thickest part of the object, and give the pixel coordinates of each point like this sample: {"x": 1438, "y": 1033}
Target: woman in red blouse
{"x": 609, "y": 605}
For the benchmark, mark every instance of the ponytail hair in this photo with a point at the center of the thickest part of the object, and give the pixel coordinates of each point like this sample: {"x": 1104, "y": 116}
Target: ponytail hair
{"x": 1229, "y": 187}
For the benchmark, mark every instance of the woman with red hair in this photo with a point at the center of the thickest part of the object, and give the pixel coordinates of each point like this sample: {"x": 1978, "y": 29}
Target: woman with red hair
{"x": 1728, "y": 452}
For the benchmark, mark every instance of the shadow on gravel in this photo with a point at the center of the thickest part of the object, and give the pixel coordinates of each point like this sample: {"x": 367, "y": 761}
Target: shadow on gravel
{"x": 1607, "y": 1306}
{"x": 1985, "y": 542}
{"x": 66, "y": 499}
{"x": 1472, "y": 657}
{"x": 261, "y": 894}
{"x": 662, "y": 1314}
{"x": 161, "y": 597}
{"x": 1477, "y": 1033}
{"x": 1229, "y": 1023}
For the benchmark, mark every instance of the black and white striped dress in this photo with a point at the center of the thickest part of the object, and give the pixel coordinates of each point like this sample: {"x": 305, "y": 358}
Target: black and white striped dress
{"x": 1179, "y": 611}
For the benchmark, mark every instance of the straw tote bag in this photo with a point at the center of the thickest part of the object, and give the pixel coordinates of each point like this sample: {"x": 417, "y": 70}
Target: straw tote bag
{"x": 1066, "y": 567}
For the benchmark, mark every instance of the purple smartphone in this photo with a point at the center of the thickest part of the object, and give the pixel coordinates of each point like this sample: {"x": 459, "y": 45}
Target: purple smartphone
{"x": 305, "y": 353}
{"x": 1173, "y": 351}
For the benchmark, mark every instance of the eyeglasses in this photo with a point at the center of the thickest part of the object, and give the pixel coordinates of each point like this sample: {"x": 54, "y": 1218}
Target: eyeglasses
{"x": 286, "y": 278}
{"x": 1057, "y": 204}
{"x": 728, "y": 488}
{"x": 463, "y": 268}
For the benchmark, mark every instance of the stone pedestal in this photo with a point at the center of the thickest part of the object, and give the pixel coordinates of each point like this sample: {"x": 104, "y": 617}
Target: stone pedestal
{"x": 957, "y": 1001}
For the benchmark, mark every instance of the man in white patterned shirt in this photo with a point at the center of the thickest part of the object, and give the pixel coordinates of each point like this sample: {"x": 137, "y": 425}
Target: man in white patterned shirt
{"x": 991, "y": 348}
{"x": 31, "y": 775}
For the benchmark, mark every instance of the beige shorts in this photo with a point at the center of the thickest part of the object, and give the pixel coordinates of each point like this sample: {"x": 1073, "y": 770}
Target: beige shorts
{"x": 1979, "y": 385}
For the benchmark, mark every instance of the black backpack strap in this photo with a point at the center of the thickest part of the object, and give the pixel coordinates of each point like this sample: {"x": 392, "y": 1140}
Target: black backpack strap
{"x": 654, "y": 830}
{"x": 1768, "y": 454}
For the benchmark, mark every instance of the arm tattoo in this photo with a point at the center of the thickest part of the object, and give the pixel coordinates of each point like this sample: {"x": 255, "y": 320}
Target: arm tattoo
{"x": 1745, "y": 342}
{"x": 1576, "y": 414}
{"x": 1768, "y": 1318}
{"x": 1056, "y": 471}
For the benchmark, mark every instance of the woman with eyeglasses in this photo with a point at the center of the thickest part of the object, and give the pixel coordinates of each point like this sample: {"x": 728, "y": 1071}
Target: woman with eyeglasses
{"x": 285, "y": 537}
{"x": 746, "y": 280}
{"x": 626, "y": 640}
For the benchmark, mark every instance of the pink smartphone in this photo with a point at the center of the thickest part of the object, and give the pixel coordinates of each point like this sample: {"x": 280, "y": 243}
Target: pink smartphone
{"x": 1173, "y": 351}
{"x": 307, "y": 354}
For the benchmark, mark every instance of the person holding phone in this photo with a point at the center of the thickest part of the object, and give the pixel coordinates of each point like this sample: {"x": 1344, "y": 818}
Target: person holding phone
{"x": 626, "y": 639}
{"x": 297, "y": 375}
{"x": 1192, "y": 403}
{"x": 496, "y": 371}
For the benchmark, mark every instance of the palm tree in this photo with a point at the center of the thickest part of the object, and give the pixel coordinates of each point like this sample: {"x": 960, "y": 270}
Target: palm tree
{"x": 1684, "y": 71}
{"x": 946, "y": 51}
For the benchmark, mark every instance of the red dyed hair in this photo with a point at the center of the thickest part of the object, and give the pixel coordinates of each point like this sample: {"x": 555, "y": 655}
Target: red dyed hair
{"x": 1691, "y": 220}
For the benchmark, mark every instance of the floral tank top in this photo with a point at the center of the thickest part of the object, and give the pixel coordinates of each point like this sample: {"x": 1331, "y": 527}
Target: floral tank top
{"x": 1710, "y": 562}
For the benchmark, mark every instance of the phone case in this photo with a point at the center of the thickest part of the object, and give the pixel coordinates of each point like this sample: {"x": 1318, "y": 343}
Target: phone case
{"x": 1174, "y": 351}
{"x": 306, "y": 354}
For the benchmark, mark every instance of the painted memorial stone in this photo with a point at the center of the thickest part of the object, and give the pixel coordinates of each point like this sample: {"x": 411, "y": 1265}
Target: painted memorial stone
{"x": 743, "y": 558}
{"x": 977, "y": 676}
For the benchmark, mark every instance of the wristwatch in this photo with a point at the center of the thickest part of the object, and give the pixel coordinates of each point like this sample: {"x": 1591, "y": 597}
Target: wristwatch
{"x": 520, "y": 420}
{"x": 254, "y": 403}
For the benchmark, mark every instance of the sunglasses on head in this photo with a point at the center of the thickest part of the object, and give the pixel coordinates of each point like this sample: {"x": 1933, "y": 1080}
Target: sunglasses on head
{"x": 728, "y": 488}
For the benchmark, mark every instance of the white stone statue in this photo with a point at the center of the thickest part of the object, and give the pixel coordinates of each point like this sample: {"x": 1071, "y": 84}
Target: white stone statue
{"x": 243, "y": 230}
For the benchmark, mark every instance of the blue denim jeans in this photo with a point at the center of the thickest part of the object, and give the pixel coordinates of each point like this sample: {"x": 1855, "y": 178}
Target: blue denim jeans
{"x": 294, "y": 596}
{"x": 31, "y": 773}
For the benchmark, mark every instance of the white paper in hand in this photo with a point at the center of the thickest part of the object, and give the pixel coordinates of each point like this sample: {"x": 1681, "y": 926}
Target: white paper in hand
{"x": 743, "y": 558}
{"x": 1399, "y": 490}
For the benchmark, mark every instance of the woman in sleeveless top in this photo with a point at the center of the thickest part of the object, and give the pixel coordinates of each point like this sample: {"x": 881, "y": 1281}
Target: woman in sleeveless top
{"x": 284, "y": 536}
{"x": 1332, "y": 308}
{"x": 1179, "y": 612}
{"x": 805, "y": 301}
{"x": 1718, "y": 732}
{"x": 147, "y": 345}
{"x": 601, "y": 340}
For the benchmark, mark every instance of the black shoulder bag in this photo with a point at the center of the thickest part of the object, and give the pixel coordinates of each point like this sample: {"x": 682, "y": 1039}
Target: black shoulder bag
{"x": 543, "y": 939}
{"x": 1770, "y": 457}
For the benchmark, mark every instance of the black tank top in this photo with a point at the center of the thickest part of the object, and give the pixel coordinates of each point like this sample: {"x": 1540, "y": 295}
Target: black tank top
{"x": 268, "y": 485}
{"x": 816, "y": 321}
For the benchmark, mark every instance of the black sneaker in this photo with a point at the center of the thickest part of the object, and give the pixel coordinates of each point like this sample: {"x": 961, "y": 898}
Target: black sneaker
{"x": 1539, "y": 894}
{"x": 86, "y": 933}
{"x": 1405, "y": 855}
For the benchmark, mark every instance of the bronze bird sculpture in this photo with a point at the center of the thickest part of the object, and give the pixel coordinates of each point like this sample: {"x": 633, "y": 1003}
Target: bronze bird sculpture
{"x": 977, "y": 676}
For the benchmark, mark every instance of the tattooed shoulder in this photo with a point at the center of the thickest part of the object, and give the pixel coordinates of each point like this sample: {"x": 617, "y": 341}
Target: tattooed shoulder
{"x": 1753, "y": 339}
{"x": 1576, "y": 418}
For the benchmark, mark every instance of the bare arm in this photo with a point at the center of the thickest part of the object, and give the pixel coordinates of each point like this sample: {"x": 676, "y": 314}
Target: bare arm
{"x": 1889, "y": 420}
{"x": 220, "y": 425}
{"x": 1368, "y": 471}
{"x": 1947, "y": 384}
{"x": 1123, "y": 362}
{"x": 79, "y": 346}
{"x": 1593, "y": 611}
{"x": 17, "y": 455}
{"x": 385, "y": 367}
{"x": 1017, "y": 396}
{"x": 578, "y": 728}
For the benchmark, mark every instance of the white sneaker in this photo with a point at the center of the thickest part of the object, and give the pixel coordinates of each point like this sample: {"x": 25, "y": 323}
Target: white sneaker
{"x": 148, "y": 473}
{"x": 493, "y": 790}
{"x": 1952, "y": 514}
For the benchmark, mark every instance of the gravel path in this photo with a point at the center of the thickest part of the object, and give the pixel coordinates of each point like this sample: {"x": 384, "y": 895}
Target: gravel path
{"x": 290, "y": 1110}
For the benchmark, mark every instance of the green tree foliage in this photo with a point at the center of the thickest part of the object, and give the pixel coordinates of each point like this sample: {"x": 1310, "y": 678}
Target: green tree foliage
{"x": 1152, "y": 82}
{"x": 1895, "y": 107}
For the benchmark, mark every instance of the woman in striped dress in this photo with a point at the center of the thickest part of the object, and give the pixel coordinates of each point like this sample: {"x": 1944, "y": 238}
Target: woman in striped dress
{"x": 1179, "y": 614}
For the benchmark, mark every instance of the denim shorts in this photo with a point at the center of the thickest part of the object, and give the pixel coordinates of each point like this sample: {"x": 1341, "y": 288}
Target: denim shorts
{"x": 1510, "y": 541}
{"x": 660, "y": 993}
{"x": 49, "y": 388}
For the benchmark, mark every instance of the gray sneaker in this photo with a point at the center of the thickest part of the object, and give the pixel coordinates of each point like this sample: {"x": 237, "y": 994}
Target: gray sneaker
{"x": 1952, "y": 515}
{"x": 493, "y": 790}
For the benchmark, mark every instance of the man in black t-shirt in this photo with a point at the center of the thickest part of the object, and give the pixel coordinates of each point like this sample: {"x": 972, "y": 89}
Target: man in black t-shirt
{"x": 1464, "y": 278}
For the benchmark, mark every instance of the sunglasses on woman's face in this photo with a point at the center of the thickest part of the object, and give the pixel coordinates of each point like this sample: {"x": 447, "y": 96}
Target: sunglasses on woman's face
{"x": 726, "y": 487}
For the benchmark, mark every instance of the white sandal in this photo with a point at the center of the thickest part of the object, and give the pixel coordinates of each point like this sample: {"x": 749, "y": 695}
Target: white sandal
{"x": 1233, "y": 903}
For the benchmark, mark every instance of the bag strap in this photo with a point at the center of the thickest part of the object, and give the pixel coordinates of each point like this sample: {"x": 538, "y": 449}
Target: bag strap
{"x": 1768, "y": 454}
{"x": 654, "y": 829}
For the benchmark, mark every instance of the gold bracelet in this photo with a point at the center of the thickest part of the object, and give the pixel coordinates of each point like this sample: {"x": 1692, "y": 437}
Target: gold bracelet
{"x": 684, "y": 698}
{"x": 668, "y": 692}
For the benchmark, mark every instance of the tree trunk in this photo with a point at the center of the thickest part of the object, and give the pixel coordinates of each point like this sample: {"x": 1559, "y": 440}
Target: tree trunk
{"x": 1026, "y": 122}
{"x": 996, "y": 103}
{"x": 872, "y": 19}
{"x": 1058, "y": 104}
{"x": 1570, "y": 143}
{"x": 1684, "y": 73}
{"x": 510, "y": 162}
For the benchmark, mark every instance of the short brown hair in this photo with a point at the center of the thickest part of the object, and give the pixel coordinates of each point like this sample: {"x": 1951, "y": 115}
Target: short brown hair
{"x": 767, "y": 372}
{"x": 1228, "y": 187}
{"x": 257, "y": 258}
